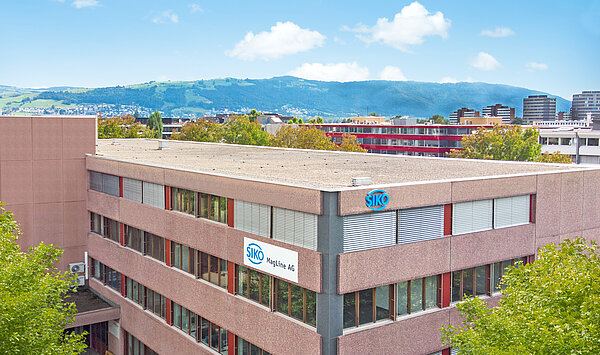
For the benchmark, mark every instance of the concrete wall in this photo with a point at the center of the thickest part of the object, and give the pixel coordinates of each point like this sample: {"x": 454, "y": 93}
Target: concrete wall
{"x": 43, "y": 179}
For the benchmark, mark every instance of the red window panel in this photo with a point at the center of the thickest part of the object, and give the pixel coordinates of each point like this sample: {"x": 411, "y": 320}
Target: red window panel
{"x": 448, "y": 219}
{"x": 230, "y": 212}
{"x": 532, "y": 208}
{"x": 120, "y": 186}
{"x": 446, "y": 289}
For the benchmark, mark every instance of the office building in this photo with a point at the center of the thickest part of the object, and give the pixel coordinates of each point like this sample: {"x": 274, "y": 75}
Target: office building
{"x": 211, "y": 248}
{"x": 411, "y": 139}
{"x": 539, "y": 107}
{"x": 588, "y": 102}
{"x": 499, "y": 110}
{"x": 462, "y": 112}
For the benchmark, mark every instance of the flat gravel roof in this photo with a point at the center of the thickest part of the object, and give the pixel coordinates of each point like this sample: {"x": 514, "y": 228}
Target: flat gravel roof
{"x": 310, "y": 168}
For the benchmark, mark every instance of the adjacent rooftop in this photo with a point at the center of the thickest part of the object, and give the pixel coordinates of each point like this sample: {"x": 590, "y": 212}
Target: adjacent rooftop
{"x": 308, "y": 168}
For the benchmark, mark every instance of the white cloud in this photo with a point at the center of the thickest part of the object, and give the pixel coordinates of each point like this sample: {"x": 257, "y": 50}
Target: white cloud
{"x": 409, "y": 27}
{"x": 392, "y": 73}
{"x": 331, "y": 72}
{"x": 498, "y": 32}
{"x": 448, "y": 80}
{"x": 166, "y": 17}
{"x": 485, "y": 61}
{"x": 85, "y": 3}
{"x": 283, "y": 38}
{"x": 195, "y": 8}
{"x": 536, "y": 66}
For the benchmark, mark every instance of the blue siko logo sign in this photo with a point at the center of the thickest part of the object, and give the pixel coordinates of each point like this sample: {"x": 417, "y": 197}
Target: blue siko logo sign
{"x": 255, "y": 254}
{"x": 377, "y": 200}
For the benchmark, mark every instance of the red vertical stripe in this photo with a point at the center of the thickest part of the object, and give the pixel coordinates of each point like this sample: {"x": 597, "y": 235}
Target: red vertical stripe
{"x": 230, "y": 277}
{"x": 122, "y": 231}
{"x": 167, "y": 198}
{"x": 448, "y": 219}
{"x": 531, "y": 208}
{"x": 168, "y": 310}
{"x": 230, "y": 212}
{"x": 446, "y": 294}
{"x": 168, "y": 252}
{"x": 446, "y": 351}
{"x": 232, "y": 346}
{"x": 123, "y": 284}
{"x": 120, "y": 186}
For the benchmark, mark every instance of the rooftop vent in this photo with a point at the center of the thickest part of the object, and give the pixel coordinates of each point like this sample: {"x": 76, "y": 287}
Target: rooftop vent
{"x": 361, "y": 181}
{"x": 162, "y": 144}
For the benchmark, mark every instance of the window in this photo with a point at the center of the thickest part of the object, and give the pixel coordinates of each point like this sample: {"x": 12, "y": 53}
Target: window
{"x": 213, "y": 207}
{"x": 96, "y": 223}
{"x": 592, "y": 142}
{"x": 134, "y": 238}
{"x": 367, "y": 231}
{"x": 212, "y": 335}
{"x": 295, "y": 227}
{"x": 254, "y": 285}
{"x": 367, "y": 306}
{"x": 181, "y": 256}
{"x": 211, "y": 268}
{"x": 295, "y": 301}
{"x": 111, "y": 229}
{"x": 184, "y": 201}
{"x": 417, "y": 295}
{"x": 252, "y": 218}
{"x": 552, "y": 140}
{"x": 135, "y": 347}
{"x": 246, "y": 348}
{"x": 472, "y": 216}
{"x": 154, "y": 246}
{"x": 418, "y": 224}
{"x": 565, "y": 141}
{"x": 511, "y": 211}
{"x": 132, "y": 190}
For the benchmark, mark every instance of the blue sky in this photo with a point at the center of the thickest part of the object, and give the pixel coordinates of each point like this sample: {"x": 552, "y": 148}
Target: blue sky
{"x": 551, "y": 46}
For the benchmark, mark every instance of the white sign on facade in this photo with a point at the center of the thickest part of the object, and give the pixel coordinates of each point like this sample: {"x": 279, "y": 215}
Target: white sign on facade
{"x": 272, "y": 259}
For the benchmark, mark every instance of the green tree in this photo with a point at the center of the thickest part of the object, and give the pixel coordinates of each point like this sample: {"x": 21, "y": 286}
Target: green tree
{"x": 33, "y": 310}
{"x": 350, "y": 144}
{"x": 504, "y": 143}
{"x": 312, "y": 120}
{"x": 439, "y": 119}
{"x": 239, "y": 130}
{"x": 155, "y": 124}
{"x": 551, "y": 306}
{"x": 253, "y": 115}
{"x": 320, "y": 119}
{"x": 517, "y": 120}
{"x": 201, "y": 130}
{"x": 122, "y": 127}
{"x": 373, "y": 114}
{"x": 303, "y": 138}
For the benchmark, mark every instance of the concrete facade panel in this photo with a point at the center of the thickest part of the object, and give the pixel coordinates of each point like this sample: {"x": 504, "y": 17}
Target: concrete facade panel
{"x": 276, "y": 334}
{"x": 23, "y": 214}
{"x": 48, "y": 227}
{"x": 591, "y": 199}
{"x": 382, "y": 266}
{"x": 15, "y": 138}
{"x": 142, "y": 172}
{"x": 144, "y": 217}
{"x": 199, "y": 233}
{"x": 103, "y": 204}
{"x": 407, "y": 196}
{"x": 47, "y": 138}
{"x": 591, "y": 234}
{"x": 97, "y": 316}
{"x": 75, "y": 180}
{"x": 76, "y": 223}
{"x": 417, "y": 335}
{"x": 296, "y": 198}
{"x": 47, "y": 181}
{"x": 78, "y": 137}
{"x": 16, "y": 182}
{"x": 571, "y": 202}
{"x": 484, "y": 189}
{"x": 101, "y": 165}
{"x": 491, "y": 246}
{"x": 548, "y": 205}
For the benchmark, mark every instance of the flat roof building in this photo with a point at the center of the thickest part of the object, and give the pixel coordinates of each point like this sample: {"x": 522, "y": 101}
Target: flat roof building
{"x": 214, "y": 248}
{"x": 539, "y": 107}
{"x": 499, "y": 110}
{"x": 588, "y": 102}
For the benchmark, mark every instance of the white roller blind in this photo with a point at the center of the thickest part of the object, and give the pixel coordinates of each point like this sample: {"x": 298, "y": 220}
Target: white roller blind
{"x": 367, "y": 231}
{"x": 473, "y": 216}
{"x": 252, "y": 218}
{"x": 294, "y": 227}
{"x": 153, "y": 194}
{"x": 418, "y": 224}
{"x": 95, "y": 181}
{"x": 132, "y": 189}
{"x": 511, "y": 211}
{"x": 110, "y": 184}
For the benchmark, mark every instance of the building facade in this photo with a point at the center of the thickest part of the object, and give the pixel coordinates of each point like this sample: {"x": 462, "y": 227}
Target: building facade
{"x": 539, "y": 107}
{"x": 588, "y": 102}
{"x": 413, "y": 140}
{"x": 499, "y": 110}
{"x": 455, "y": 116}
{"x": 211, "y": 248}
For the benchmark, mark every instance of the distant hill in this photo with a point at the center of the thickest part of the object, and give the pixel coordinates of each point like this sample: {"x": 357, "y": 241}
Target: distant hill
{"x": 295, "y": 96}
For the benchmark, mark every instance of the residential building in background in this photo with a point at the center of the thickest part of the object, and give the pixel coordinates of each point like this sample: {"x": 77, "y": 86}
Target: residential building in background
{"x": 204, "y": 248}
{"x": 539, "y": 107}
{"x": 455, "y": 116}
{"x": 412, "y": 139}
{"x": 563, "y": 139}
{"x": 481, "y": 121}
{"x": 499, "y": 110}
{"x": 584, "y": 103}
{"x": 563, "y": 116}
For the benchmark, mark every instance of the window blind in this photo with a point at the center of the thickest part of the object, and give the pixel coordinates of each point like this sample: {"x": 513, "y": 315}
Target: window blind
{"x": 367, "y": 231}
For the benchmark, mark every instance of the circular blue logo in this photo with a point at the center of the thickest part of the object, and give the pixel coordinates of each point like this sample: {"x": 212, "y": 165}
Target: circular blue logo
{"x": 377, "y": 200}
{"x": 255, "y": 254}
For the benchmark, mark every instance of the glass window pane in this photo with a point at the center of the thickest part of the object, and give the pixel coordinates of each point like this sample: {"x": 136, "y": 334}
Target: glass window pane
{"x": 266, "y": 290}
{"x": 204, "y": 205}
{"x": 416, "y": 295}
{"x": 134, "y": 288}
{"x": 468, "y": 282}
{"x": 297, "y": 295}
{"x": 214, "y": 337}
{"x": 176, "y": 255}
{"x": 224, "y": 341}
{"x": 456, "y": 279}
{"x": 214, "y": 208}
{"x": 223, "y": 273}
{"x": 365, "y": 306}
{"x": 481, "y": 280}
{"x": 185, "y": 320}
{"x": 402, "y": 289}
{"x": 254, "y": 350}
{"x": 282, "y": 296}
{"x": 193, "y": 326}
{"x": 150, "y": 299}
{"x": 431, "y": 290}
{"x": 223, "y": 210}
{"x": 382, "y": 304}
{"x": 496, "y": 277}
{"x": 243, "y": 281}
{"x": 176, "y": 315}
{"x": 185, "y": 258}
{"x": 157, "y": 304}
{"x": 253, "y": 284}
{"x": 204, "y": 266}
{"x": 242, "y": 346}
{"x": 311, "y": 308}
{"x": 349, "y": 310}
{"x": 129, "y": 287}
{"x": 214, "y": 270}
{"x": 205, "y": 328}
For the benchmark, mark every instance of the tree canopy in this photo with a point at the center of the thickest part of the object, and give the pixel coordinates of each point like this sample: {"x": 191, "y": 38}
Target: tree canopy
{"x": 33, "y": 314}
{"x": 240, "y": 130}
{"x": 550, "y": 306}
{"x": 122, "y": 127}
{"x": 155, "y": 124}
{"x": 505, "y": 143}
{"x": 312, "y": 138}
